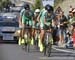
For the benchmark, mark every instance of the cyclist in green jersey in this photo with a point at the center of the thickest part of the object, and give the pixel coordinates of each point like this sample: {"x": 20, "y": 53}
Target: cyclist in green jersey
{"x": 20, "y": 26}
{"x": 27, "y": 19}
{"x": 35, "y": 23}
{"x": 46, "y": 19}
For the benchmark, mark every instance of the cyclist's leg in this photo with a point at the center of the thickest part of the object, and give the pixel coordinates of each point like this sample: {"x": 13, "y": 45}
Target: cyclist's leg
{"x": 33, "y": 32}
{"x": 20, "y": 37}
{"x": 23, "y": 28}
{"x": 23, "y": 33}
{"x": 42, "y": 39}
{"x": 51, "y": 36}
{"x": 33, "y": 35}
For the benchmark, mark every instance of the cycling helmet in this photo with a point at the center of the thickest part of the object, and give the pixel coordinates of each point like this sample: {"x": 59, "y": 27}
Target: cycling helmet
{"x": 26, "y": 6}
{"x": 37, "y": 10}
{"x": 49, "y": 8}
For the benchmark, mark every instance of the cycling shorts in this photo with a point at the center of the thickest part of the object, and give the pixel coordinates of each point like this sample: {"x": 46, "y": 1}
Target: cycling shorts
{"x": 27, "y": 22}
{"x": 45, "y": 27}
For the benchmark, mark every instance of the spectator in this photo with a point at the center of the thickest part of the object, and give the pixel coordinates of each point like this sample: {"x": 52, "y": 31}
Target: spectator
{"x": 74, "y": 35}
{"x": 72, "y": 21}
{"x": 62, "y": 28}
{"x": 70, "y": 13}
{"x": 58, "y": 10}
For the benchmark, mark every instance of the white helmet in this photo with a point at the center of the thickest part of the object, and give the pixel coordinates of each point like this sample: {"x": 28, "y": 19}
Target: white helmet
{"x": 37, "y": 10}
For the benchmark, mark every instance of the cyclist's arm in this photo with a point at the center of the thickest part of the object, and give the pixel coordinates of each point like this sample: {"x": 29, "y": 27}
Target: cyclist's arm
{"x": 38, "y": 18}
{"x": 20, "y": 20}
{"x": 20, "y": 17}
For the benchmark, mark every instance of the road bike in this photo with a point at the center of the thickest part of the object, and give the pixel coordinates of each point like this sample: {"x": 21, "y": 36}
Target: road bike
{"x": 48, "y": 40}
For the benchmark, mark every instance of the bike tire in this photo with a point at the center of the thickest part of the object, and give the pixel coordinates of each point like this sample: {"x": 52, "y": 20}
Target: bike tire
{"x": 28, "y": 44}
{"x": 36, "y": 43}
{"x": 28, "y": 47}
{"x": 47, "y": 51}
{"x": 25, "y": 46}
{"x": 44, "y": 50}
{"x": 49, "y": 48}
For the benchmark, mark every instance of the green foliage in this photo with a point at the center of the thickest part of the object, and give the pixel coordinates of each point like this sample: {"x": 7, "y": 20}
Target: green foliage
{"x": 0, "y": 4}
{"x": 57, "y": 2}
{"x": 37, "y": 4}
{"x": 4, "y": 3}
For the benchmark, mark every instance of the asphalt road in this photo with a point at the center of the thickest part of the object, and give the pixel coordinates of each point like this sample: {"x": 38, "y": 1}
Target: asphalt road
{"x": 14, "y": 52}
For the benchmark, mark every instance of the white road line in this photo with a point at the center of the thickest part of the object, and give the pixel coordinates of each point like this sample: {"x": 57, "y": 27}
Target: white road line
{"x": 57, "y": 58}
{"x": 63, "y": 50}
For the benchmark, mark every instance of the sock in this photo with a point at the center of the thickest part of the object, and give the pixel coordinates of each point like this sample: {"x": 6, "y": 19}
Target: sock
{"x": 32, "y": 41}
{"x": 22, "y": 42}
{"x": 19, "y": 42}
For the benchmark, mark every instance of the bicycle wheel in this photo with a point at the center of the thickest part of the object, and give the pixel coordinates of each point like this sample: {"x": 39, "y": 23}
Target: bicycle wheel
{"x": 28, "y": 43}
{"x": 25, "y": 45}
{"x": 36, "y": 42}
{"x": 45, "y": 50}
{"x": 28, "y": 47}
{"x": 48, "y": 51}
{"x": 47, "y": 45}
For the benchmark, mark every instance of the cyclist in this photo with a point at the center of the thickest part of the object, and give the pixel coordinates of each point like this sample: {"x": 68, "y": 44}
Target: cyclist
{"x": 35, "y": 23}
{"x": 46, "y": 18}
{"x": 27, "y": 20}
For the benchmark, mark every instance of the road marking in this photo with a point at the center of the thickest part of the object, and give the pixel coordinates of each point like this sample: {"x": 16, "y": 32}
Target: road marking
{"x": 64, "y": 50}
{"x": 57, "y": 58}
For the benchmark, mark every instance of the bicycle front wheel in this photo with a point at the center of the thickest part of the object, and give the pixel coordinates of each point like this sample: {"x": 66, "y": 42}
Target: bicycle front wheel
{"x": 48, "y": 50}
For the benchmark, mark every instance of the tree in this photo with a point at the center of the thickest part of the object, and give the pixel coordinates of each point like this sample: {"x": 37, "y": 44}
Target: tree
{"x": 57, "y": 2}
{"x": 37, "y": 4}
{"x": 4, "y": 3}
{"x": 0, "y": 4}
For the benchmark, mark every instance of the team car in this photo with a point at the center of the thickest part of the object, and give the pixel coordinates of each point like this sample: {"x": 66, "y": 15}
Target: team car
{"x": 8, "y": 27}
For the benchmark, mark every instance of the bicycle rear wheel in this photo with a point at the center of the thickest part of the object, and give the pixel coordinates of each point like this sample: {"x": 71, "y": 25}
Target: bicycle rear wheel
{"x": 28, "y": 47}
{"x": 28, "y": 43}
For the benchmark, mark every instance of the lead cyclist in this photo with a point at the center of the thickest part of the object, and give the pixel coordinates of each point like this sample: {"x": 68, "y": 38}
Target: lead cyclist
{"x": 46, "y": 19}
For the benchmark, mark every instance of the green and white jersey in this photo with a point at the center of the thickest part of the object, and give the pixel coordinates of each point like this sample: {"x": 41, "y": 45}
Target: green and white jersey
{"x": 48, "y": 19}
{"x": 42, "y": 17}
{"x": 22, "y": 11}
{"x": 27, "y": 17}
